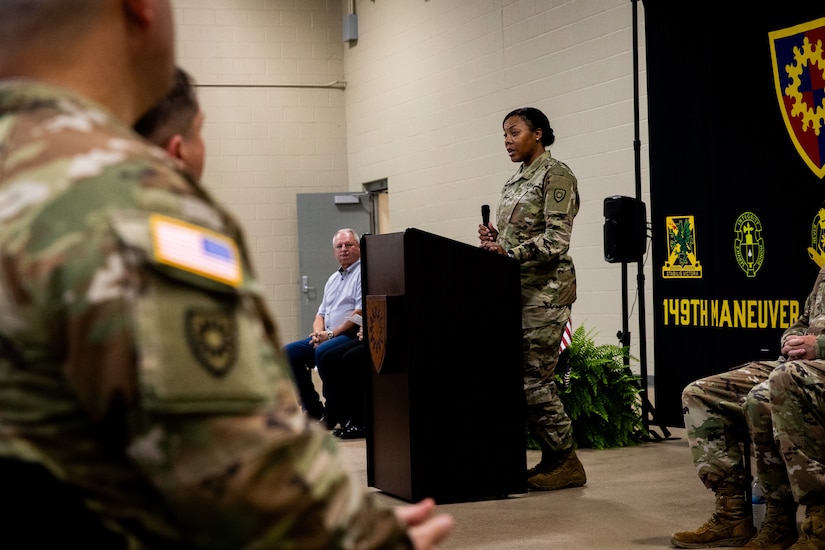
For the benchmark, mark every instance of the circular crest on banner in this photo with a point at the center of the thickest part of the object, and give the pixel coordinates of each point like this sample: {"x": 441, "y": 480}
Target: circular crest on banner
{"x": 749, "y": 246}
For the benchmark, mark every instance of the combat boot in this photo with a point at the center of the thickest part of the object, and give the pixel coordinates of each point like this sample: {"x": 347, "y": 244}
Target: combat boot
{"x": 535, "y": 469}
{"x": 813, "y": 529}
{"x": 730, "y": 525}
{"x": 544, "y": 465}
{"x": 778, "y": 529}
{"x": 563, "y": 472}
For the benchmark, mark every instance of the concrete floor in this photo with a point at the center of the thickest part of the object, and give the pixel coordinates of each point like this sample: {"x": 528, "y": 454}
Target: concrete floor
{"x": 635, "y": 498}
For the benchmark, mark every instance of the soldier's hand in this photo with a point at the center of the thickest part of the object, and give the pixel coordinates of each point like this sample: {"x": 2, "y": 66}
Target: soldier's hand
{"x": 800, "y": 347}
{"x": 424, "y": 529}
{"x": 493, "y": 247}
{"x": 487, "y": 233}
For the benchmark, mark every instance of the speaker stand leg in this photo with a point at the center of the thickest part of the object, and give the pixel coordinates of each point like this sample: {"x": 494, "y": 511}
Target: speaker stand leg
{"x": 648, "y": 412}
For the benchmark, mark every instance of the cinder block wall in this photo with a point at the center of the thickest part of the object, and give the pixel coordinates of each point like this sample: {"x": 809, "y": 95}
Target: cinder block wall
{"x": 268, "y": 74}
{"x": 427, "y": 84}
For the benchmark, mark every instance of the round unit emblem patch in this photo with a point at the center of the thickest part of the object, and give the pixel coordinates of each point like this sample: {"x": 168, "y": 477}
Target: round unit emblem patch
{"x": 749, "y": 246}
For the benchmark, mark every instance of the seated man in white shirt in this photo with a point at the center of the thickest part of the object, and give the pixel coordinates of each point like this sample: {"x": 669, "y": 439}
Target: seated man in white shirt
{"x": 331, "y": 327}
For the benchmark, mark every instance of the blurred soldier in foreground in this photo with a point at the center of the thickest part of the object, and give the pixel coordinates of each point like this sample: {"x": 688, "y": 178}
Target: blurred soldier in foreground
{"x": 143, "y": 399}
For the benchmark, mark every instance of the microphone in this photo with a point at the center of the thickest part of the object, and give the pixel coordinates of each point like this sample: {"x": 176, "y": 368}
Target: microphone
{"x": 485, "y": 219}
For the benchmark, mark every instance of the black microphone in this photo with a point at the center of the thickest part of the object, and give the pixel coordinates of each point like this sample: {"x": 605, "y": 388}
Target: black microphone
{"x": 485, "y": 215}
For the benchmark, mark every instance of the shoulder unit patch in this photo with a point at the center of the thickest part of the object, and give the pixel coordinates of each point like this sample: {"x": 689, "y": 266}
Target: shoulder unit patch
{"x": 213, "y": 339}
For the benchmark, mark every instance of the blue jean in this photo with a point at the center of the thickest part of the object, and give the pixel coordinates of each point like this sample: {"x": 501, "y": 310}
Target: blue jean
{"x": 302, "y": 359}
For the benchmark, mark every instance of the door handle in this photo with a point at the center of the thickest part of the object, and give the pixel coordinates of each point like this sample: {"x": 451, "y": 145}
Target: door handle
{"x": 305, "y": 288}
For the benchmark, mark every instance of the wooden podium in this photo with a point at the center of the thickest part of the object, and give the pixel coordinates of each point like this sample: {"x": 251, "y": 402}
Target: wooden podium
{"x": 445, "y": 397}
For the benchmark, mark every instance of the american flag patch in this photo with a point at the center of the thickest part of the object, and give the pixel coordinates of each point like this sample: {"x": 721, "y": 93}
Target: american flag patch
{"x": 196, "y": 250}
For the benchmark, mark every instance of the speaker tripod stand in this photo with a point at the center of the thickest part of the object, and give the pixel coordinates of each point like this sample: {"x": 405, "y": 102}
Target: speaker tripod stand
{"x": 638, "y": 238}
{"x": 648, "y": 412}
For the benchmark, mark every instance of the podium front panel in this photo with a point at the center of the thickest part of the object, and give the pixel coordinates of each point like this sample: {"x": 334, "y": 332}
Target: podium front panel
{"x": 446, "y": 410}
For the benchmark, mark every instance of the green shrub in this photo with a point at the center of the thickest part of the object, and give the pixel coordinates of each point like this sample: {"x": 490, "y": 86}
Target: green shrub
{"x": 600, "y": 394}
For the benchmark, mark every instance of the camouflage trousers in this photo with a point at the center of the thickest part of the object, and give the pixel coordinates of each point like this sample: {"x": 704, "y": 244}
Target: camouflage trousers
{"x": 721, "y": 412}
{"x": 547, "y": 422}
{"x": 797, "y": 397}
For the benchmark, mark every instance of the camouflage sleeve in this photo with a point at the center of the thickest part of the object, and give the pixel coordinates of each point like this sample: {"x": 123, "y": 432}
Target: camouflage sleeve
{"x": 232, "y": 483}
{"x": 811, "y": 312}
{"x": 559, "y": 208}
{"x": 218, "y": 429}
{"x": 800, "y": 326}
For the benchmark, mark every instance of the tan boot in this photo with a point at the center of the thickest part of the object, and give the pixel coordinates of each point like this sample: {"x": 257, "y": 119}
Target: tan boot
{"x": 730, "y": 525}
{"x": 535, "y": 469}
{"x": 550, "y": 459}
{"x": 566, "y": 472}
{"x": 778, "y": 529}
{"x": 813, "y": 529}
{"x": 544, "y": 465}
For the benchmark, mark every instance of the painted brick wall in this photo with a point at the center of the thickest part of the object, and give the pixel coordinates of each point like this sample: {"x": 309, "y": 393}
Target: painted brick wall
{"x": 267, "y": 73}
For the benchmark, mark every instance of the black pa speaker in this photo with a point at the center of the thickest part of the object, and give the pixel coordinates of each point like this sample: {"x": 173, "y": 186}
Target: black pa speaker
{"x": 624, "y": 229}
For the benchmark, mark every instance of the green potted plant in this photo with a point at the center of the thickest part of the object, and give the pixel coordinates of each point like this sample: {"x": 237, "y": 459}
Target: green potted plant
{"x": 600, "y": 394}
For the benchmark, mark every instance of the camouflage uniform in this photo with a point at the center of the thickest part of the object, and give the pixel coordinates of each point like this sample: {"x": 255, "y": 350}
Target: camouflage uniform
{"x": 137, "y": 362}
{"x": 535, "y": 221}
{"x": 797, "y": 392}
{"x": 720, "y": 410}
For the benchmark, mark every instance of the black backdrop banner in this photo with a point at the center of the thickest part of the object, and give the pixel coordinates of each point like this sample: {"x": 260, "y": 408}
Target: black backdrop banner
{"x": 736, "y": 114}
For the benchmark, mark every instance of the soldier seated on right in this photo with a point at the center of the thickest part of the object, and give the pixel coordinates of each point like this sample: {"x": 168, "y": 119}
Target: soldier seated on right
{"x": 775, "y": 404}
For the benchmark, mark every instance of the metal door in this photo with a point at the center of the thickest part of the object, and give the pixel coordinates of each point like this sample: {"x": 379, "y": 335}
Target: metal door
{"x": 320, "y": 215}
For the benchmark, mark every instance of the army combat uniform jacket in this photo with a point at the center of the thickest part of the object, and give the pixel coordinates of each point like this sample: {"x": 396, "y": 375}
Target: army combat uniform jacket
{"x": 535, "y": 222}
{"x": 137, "y": 362}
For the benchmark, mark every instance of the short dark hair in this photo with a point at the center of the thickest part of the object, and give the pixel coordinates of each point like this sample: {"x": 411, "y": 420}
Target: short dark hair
{"x": 534, "y": 119}
{"x": 172, "y": 115}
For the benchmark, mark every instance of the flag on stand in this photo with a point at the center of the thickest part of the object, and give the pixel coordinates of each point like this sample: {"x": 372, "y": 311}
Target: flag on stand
{"x": 566, "y": 339}
{"x": 567, "y": 336}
